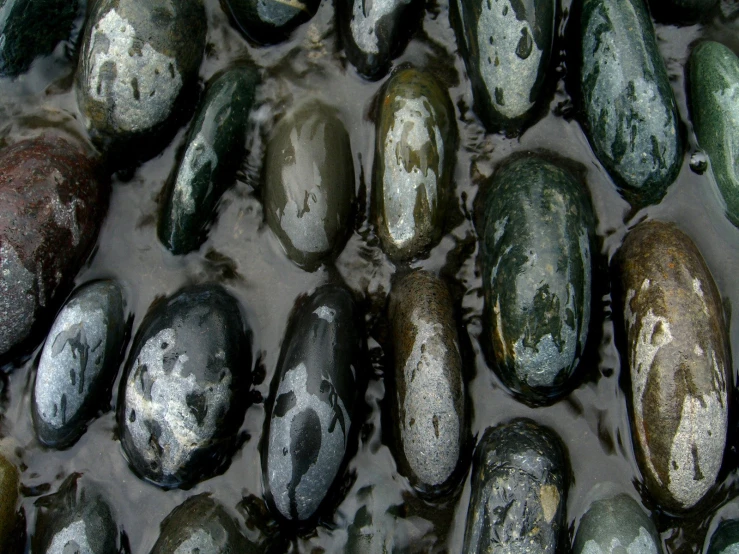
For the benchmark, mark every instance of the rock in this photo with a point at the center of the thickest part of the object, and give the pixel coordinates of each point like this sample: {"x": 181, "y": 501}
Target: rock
{"x": 506, "y": 46}
{"x": 430, "y": 397}
{"x": 79, "y": 363}
{"x": 414, "y": 162}
{"x": 75, "y": 519}
{"x": 214, "y": 150}
{"x": 183, "y": 395}
{"x": 268, "y": 21}
{"x": 537, "y": 239}
{"x": 630, "y": 111}
{"x": 9, "y": 502}
{"x": 714, "y": 99}
{"x": 309, "y": 184}
{"x": 51, "y": 207}
{"x": 681, "y": 11}
{"x": 616, "y": 525}
{"x": 313, "y": 406}
{"x": 518, "y": 491}
{"x": 139, "y": 64}
{"x": 725, "y": 539}
{"x": 678, "y": 361}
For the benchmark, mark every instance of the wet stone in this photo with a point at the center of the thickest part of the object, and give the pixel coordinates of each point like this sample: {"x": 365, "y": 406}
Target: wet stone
{"x": 518, "y": 491}
{"x": 313, "y": 403}
{"x": 536, "y": 253}
{"x": 309, "y": 184}
{"x": 9, "y": 502}
{"x": 51, "y": 207}
{"x": 506, "y": 46}
{"x": 269, "y": 21}
{"x": 79, "y": 363}
{"x": 213, "y": 152}
{"x": 714, "y": 99}
{"x": 429, "y": 400}
{"x": 414, "y": 161}
{"x": 183, "y": 395}
{"x": 678, "y": 362}
{"x": 629, "y": 107}
{"x": 725, "y": 539}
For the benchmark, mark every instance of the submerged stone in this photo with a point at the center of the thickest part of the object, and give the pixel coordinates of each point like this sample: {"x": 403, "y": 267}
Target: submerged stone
{"x": 269, "y": 21}
{"x": 79, "y": 363}
{"x": 536, "y": 252}
{"x": 414, "y": 160}
{"x": 9, "y": 502}
{"x": 678, "y": 362}
{"x": 314, "y": 404}
{"x": 725, "y": 539}
{"x": 630, "y": 110}
{"x": 213, "y": 151}
{"x": 183, "y": 395}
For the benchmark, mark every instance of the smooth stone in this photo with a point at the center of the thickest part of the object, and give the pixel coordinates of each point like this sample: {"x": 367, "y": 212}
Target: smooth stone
{"x": 139, "y": 65}
{"x": 429, "y": 399}
{"x": 677, "y": 352}
{"x": 630, "y": 111}
{"x": 725, "y": 539}
{"x": 536, "y": 253}
{"x": 10, "y": 481}
{"x": 51, "y": 208}
{"x": 79, "y": 363}
{"x": 506, "y": 46}
{"x": 183, "y": 395}
{"x": 616, "y": 525}
{"x": 415, "y": 146}
{"x": 518, "y": 491}
{"x": 207, "y": 165}
{"x": 313, "y": 403}
{"x": 268, "y": 21}
{"x": 681, "y": 11}
{"x": 309, "y": 184}
{"x": 714, "y": 100}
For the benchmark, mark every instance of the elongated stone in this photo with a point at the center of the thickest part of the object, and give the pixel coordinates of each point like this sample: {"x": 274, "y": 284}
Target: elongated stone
{"x": 269, "y": 21}
{"x": 9, "y": 502}
{"x": 183, "y": 395}
{"x": 714, "y": 99}
{"x": 630, "y": 111}
{"x": 414, "y": 160}
{"x": 313, "y": 406}
{"x": 518, "y": 491}
{"x": 429, "y": 399}
{"x": 678, "y": 361}
{"x": 79, "y": 363}
{"x": 213, "y": 151}
{"x": 725, "y": 539}
{"x": 309, "y": 184}
{"x": 537, "y": 238}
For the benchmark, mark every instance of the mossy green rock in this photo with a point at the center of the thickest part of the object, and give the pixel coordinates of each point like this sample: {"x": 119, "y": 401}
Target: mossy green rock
{"x": 207, "y": 165}
{"x": 269, "y": 21}
{"x": 714, "y": 99}
{"x": 725, "y": 539}
{"x": 537, "y": 239}
{"x": 9, "y": 501}
{"x": 629, "y": 107}
{"x": 414, "y": 160}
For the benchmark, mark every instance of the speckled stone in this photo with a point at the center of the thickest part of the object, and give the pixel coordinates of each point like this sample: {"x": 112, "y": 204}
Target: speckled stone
{"x": 139, "y": 62}
{"x": 681, "y": 11}
{"x": 79, "y": 363}
{"x": 518, "y": 491}
{"x": 714, "y": 99}
{"x": 313, "y": 403}
{"x": 506, "y": 46}
{"x": 537, "y": 239}
{"x": 9, "y": 501}
{"x": 616, "y": 525}
{"x": 269, "y": 21}
{"x": 51, "y": 207}
{"x": 309, "y": 184}
{"x": 183, "y": 395}
{"x": 678, "y": 361}
{"x": 415, "y": 146}
{"x": 725, "y": 539}
{"x": 429, "y": 399}
{"x": 630, "y": 111}
{"x": 207, "y": 165}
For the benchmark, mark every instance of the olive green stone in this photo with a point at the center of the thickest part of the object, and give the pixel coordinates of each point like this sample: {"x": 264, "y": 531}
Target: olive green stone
{"x": 414, "y": 160}
{"x": 714, "y": 99}
{"x": 9, "y": 497}
{"x": 630, "y": 111}
{"x": 725, "y": 539}
{"x": 677, "y": 353}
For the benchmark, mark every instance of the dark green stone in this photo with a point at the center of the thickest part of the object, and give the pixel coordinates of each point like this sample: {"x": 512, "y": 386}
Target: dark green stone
{"x": 725, "y": 539}
{"x": 208, "y": 163}
{"x": 506, "y": 46}
{"x": 630, "y": 111}
{"x": 414, "y": 160}
{"x": 269, "y": 21}
{"x": 537, "y": 240}
{"x": 714, "y": 99}
{"x": 9, "y": 501}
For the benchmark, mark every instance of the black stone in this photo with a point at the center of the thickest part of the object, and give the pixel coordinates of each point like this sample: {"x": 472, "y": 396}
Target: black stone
{"x": 268, "y": 21}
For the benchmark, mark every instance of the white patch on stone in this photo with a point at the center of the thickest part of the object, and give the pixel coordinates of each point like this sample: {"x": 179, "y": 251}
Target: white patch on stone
{"x": 365, "y": 16}
{"x": 73, "y": 538}
{"x": 65, "y": 215}
{"x": 499, "y": 228}
{"x": 642, "y": 544}
{"x": 200, "y": 541}
{"x": 697, "y": 289}
{"x": 728, "y": 102}
{"x": 698, "y": 351}
{"x": 325, "y": 313}
{"x": 17, "y": 298}
{"x": 199, "y": 153}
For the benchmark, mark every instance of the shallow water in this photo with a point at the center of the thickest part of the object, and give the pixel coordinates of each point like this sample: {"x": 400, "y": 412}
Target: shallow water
{"x": 243, "y": 254}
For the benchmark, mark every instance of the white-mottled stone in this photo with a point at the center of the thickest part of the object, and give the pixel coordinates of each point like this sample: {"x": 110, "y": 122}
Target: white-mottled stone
{"x": 199, "y": 153}
{"x": 365, "y": 16}
{"x": 71, "y": 539}
{"x": 642, "y": 544}
{"x": 200, "y": 541}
